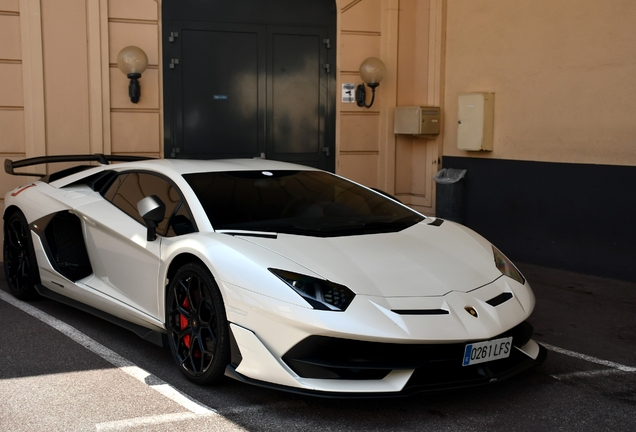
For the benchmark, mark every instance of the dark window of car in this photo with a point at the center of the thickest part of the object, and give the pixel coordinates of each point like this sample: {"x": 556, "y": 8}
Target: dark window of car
{"x": 313, "y": 203}
{"x": 110, "y": 192}
{"x": 180, "y": 222}
{"x": 130, "y": 188}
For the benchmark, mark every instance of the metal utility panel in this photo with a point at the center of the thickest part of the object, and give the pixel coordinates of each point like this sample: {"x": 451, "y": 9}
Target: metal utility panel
{"x": 417, "y": 120}
{"x": 475, "y": 121}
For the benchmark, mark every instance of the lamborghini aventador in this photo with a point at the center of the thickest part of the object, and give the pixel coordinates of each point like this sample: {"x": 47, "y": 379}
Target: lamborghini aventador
{"x": 271, "y": 273}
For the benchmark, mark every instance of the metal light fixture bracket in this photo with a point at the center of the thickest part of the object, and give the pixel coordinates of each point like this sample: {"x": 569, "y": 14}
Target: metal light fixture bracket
{"x": 361, "y": 94}
{"x": 134, "y": 89}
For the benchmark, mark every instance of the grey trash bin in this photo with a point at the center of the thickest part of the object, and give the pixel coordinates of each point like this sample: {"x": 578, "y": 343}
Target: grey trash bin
{"x": 451, "y": 195}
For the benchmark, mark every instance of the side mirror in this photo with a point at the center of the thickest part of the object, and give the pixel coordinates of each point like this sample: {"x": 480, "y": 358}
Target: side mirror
{"x": 152, "y": 210}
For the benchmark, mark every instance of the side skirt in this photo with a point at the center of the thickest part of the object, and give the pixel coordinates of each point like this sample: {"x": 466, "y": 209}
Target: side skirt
{"x": 156, "y": 337}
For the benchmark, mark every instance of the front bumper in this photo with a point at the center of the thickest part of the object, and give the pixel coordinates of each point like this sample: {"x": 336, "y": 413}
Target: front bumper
{"x": 332, "y": 367}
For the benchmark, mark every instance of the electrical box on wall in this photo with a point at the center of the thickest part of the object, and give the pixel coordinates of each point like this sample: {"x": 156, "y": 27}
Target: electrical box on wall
{"x": 417, "y": 120}
{"x": 475, "y": 121}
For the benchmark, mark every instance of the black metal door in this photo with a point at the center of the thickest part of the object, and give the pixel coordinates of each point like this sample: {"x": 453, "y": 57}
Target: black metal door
{"x": 236, "y": 89}
{"x": 297, "y": 91}
{"x": 219, "y": 83}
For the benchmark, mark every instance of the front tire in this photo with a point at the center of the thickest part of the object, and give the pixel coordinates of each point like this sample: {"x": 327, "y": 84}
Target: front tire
{"x": 20, "y": 265}
{"x": 198, "y": 332}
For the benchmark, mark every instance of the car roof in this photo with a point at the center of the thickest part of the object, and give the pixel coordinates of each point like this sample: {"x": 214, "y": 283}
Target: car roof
{"x": 178, "y": 167}
{"x": 189, "y": 166}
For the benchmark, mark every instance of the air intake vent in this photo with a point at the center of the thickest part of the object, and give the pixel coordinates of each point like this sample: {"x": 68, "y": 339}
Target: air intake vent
{"x": 437, "y": 222}
{"x": 501, "y": 298}
{"x": 65, "y": 246}
{"x": 421, "y": 312}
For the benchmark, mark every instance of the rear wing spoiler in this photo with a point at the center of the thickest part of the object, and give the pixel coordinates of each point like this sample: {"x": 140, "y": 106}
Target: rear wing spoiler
{"x": 10, "y": 165}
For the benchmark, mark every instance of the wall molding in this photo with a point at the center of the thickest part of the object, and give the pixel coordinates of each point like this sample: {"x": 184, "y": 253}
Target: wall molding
{"x": 360, "y": 33}
{"x": 105, "y": 43}
{"x": 132, "y": 21}
{"x": 150, "y": 66}
{"x": 95, "y": 23}
{"x": 135, "y": 110}
{"x": 360, "y": 152}
{"x": 435, "y": 97}
{"x": 33, "y": 79}
{"x": 349, "y": 6}
{"x": 360, "y": 113}
{"x": 388, "y": 94}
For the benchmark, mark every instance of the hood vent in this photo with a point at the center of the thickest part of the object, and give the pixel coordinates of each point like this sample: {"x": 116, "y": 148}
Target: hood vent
{"x": 421, "y": 312}
{"x": 240, "y": 233}
{"x": 501, "y": 298}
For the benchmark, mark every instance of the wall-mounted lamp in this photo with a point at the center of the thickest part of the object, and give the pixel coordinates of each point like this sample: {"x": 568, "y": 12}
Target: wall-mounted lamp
{"x": 133, "y": 61}
{"x": 371, "y": 71}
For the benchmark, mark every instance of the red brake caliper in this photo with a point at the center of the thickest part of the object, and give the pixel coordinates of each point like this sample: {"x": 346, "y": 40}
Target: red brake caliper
{"x": 183, "y": 322}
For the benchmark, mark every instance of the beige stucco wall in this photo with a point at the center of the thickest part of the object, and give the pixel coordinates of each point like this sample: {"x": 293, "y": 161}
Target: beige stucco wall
{"x": 420, "y": 83}
{"x": 68, "y": 96}
{"x": 407, "y": 36}
{"x": 61, "y": 91}
{"x": 136, "y": 128}
{"x": 360, "y": 36}
{"x": 562, "y": 73}
{"x": 12, "y": 120}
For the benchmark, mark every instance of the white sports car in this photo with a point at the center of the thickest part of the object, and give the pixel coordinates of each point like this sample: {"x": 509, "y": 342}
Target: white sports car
{"x": 274, "y": 274}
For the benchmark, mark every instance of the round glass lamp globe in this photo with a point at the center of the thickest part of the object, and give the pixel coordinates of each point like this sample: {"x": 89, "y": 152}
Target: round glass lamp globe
{"x": 372, "y": 70}
{"x": 132, "y": 60}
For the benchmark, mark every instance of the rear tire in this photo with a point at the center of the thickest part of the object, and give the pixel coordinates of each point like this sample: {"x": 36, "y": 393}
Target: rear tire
{"x": 20, "y": 265}
{"x": 198, "y": 332}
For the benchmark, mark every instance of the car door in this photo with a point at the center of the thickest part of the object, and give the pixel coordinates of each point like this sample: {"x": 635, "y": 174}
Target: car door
{"x": 125, "y": 264}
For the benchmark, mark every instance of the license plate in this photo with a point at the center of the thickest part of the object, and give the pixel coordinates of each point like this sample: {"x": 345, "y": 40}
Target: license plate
{"x": 481, "y": 352}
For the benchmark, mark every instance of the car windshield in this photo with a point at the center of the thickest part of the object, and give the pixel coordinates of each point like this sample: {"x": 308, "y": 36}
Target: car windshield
{"x": 314, "y": 203}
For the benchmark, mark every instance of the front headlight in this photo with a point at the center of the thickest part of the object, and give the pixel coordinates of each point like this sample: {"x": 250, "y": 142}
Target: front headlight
{"x": 507, "y": 267}
{"x": 321, "y": 294}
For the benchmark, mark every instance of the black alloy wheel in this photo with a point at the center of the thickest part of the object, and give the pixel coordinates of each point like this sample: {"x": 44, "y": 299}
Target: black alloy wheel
{"x": 20, "y": 266}
{"x": 198, "y": 332}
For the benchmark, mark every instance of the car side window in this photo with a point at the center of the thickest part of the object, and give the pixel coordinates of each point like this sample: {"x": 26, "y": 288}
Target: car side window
{"x": 110, "y": 192}
{"x": 180, "y": 223}
{"x": 128, "y": 189}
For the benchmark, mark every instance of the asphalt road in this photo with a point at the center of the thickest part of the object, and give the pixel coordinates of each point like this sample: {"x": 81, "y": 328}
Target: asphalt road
{"x": 75, "y": 372}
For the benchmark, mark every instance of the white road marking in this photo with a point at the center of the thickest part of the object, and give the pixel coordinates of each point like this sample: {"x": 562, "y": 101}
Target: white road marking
{"x": 146, "y": 421}
{"x": 196, "y": 408}
{"x": 587, "y": 374}
{"x": 590, "y": 359}
{"x": 192, "y": 405}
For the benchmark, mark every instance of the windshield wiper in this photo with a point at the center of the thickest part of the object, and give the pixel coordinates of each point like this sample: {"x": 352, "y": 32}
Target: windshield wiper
{"x": 401, "y": 223}
{"x": 248, "y": 233}
{"x": 263, "y": 226}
